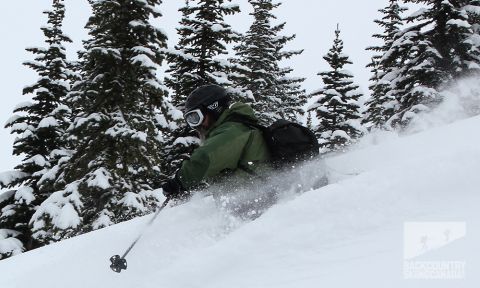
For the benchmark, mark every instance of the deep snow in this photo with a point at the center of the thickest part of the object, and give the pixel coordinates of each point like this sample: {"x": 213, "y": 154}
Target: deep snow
{"x": 346, "y": 234}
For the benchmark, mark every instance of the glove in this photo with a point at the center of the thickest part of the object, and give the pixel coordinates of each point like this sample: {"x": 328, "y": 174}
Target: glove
{"x": 173, "y": 188}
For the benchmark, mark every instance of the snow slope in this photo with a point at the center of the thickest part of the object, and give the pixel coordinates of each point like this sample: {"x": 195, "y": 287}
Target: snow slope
{"x": 346, "y": 234}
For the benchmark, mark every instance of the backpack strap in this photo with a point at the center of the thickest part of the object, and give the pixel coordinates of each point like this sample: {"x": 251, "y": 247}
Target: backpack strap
{"x": 244, "y": 120}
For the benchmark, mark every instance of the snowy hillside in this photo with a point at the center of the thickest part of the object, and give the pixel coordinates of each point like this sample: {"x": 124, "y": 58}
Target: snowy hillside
{"x": 347, "y": 234}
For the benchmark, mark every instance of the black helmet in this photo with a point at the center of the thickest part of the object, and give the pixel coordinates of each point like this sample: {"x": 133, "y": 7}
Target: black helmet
{"x": 210, "y": 98}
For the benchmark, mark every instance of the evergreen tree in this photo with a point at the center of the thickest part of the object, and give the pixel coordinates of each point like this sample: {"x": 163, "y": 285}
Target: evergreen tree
{"x": 257, "y": 55}
{"x": 450, "y": 35}
{"x": 414, "y": 81}
{"x": 309, "y": 120}
{"x": 374, "y": 117}
{"x": 337, "y": 107}
{"x": 265, "y": 84}
{"x": 433, "y": 51}
{"x": 472, "y": 8}
{"x": 293, "y": 97}
{"x": 117, "y": 142}
{"x": 39, "y": 124}
{"x": 198, "y": 59}
{"x": 289, "y": 89}
{"x": 383, "y": 104}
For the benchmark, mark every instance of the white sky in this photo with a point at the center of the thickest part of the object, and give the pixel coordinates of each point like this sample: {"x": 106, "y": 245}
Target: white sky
{"x": 313, "y": 21}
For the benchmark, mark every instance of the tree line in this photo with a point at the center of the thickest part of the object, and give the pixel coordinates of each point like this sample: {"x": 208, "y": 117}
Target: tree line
{"x": 100, "y": 133}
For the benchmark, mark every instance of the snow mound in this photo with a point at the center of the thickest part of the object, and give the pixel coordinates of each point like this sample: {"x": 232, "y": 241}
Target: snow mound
{"x": 345, "y": 234}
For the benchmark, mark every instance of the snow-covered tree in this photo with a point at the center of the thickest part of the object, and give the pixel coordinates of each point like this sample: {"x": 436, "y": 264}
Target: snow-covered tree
{"x": 472, "y": 8}
{"x": 115, "y": 135}
{"x": 199, "y": 56}
{"x": 264, "y": 83}
{"x": 309, "y": 120}
{"x": 256, "y": 54}
{"x": 39, "y": 125}
{"x": 450, "y": 32}
{"x": 198, "y": 59}
{"x": 337, "y": 107}
{"x": 383, "y": 104}
{"x": 289, "y": 89}
{"x": 415, "y": 80}
{"x": 435, "y": 49}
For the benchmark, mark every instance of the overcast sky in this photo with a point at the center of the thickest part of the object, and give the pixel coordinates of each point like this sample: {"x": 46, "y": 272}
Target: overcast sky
{"x": 313, "y": 21}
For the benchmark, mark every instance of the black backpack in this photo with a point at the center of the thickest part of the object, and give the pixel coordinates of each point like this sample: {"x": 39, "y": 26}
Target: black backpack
{"x": 287, "y": 141}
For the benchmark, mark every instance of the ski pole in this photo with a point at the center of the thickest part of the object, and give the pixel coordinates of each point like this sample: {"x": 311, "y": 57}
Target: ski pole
{"x": 120, "y": 263}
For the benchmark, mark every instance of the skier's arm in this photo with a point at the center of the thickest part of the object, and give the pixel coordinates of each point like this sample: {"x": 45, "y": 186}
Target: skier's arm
{"x": 220, "y": 151}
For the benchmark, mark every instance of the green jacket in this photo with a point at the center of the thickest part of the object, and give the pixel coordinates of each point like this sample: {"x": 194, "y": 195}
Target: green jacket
{"x": 228, "y": 146}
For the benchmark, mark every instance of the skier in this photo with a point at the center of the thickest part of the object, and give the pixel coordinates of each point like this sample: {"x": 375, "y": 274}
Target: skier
{"x": 227, "y": 145}
{"x": 232, "y": 141}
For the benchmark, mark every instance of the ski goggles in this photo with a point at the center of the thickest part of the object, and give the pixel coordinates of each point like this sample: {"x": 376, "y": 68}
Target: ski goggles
{"x": 194, "y": 118}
